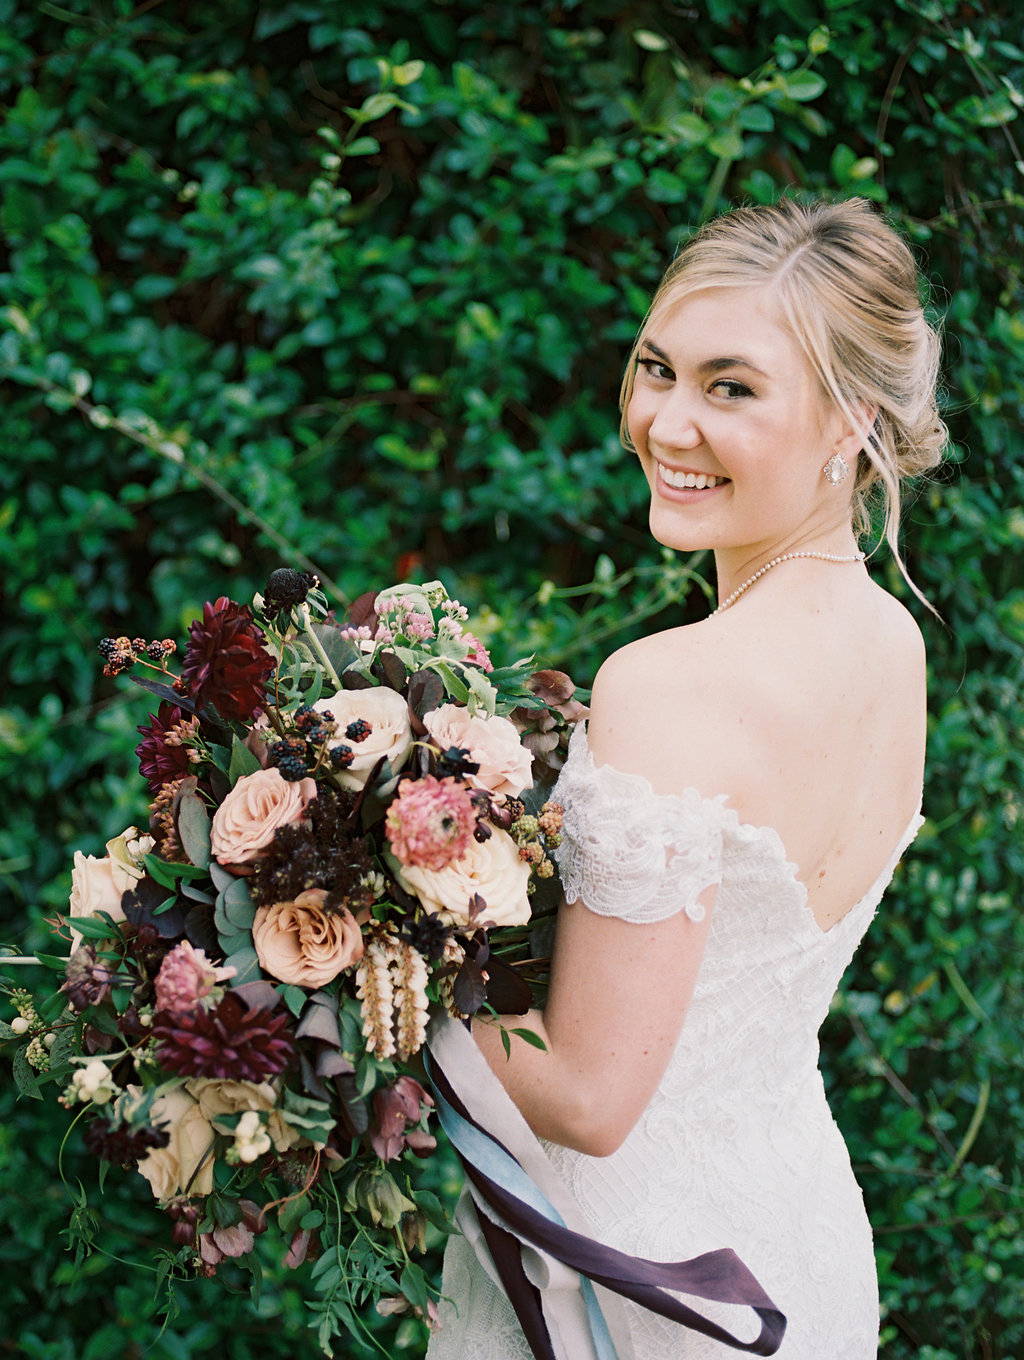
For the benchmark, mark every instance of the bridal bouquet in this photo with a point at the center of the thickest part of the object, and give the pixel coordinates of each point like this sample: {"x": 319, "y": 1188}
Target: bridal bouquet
{"x": 338, "y": 846}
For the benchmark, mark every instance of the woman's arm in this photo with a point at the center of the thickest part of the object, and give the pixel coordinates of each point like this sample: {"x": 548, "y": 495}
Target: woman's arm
{"x": 619, "y": 991}
{"x": 617, "y": 1001}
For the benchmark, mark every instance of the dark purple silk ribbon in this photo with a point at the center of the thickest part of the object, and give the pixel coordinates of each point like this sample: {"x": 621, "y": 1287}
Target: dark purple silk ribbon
{"x": 719, "y": 1276}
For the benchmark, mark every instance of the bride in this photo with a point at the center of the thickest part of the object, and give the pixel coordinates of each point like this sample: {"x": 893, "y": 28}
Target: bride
{"x": 742, "y": 793}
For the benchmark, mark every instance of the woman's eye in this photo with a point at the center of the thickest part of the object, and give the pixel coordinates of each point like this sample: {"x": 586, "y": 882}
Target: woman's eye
{"x": 731, "y": 388}
{"x": 656, "y": 369}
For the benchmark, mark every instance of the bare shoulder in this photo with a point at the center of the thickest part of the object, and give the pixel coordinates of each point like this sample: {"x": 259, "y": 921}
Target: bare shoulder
{"x": 669, "y": 707}
{"x": 723, "y": 704}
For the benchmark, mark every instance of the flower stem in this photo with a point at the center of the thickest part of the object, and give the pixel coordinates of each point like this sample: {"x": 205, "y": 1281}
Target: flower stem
{"x": 315, "y": 643}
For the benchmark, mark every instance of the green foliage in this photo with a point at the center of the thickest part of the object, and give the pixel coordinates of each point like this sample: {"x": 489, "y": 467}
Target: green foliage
{"x": 351, "y": 286}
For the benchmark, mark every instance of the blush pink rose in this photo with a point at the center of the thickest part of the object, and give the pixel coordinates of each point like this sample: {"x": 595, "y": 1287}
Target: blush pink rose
{"x": 250, "y": 815}
{"x": 386, "y": 713}
{"x": 493, "y": 744}
{"x": 303, "y": 943}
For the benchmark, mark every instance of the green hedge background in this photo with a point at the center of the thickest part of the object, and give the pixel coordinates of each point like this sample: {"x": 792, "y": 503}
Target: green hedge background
{"x": 351, "y": 284}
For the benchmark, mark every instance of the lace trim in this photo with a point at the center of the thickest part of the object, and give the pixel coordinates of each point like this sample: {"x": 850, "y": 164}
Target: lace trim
{"x": 667, "y": 847}
{"x": 629, "y": 852}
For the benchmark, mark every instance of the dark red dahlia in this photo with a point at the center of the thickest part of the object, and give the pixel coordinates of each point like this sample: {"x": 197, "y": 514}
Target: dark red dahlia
{"x": 228, "y": 1041}
{"x": 225, "y": 663}
{"x": 161, "y": 759}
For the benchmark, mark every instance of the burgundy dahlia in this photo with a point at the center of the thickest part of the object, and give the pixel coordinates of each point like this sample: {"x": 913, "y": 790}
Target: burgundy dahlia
{"x": 161, "y": 755}
{"x": 225, "y": 663}
{"x": 228, "y": 1041}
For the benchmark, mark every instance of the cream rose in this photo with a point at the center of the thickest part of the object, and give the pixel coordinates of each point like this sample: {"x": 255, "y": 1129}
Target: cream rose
{"x": 493, "y": 868}
{"x": 301, "y": 943}
{"x": 386, "y": 712}
{"x": 493, "y": 744}
{"x": 170, "y": 1169}
{"x": 220, "y": 1097}
{"x": 97, "y": 884}
{"x": 250, "y": 815}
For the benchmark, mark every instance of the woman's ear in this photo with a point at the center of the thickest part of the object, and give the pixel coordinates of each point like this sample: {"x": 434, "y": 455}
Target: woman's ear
{"x": 855, "y": 435}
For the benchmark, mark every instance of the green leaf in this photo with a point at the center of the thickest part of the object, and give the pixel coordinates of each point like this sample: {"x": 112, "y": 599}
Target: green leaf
{"x": 291, "y": 1213}
{"x": 26, "y": 1078}
{"x": 247, "y": 965}
{"x": 415, "y": 1287}
{"x": 529, "y": 1037}
{"x": 194, "y": 829}
{"x": 802, "y": 85}
{"x": 243, "y": 761}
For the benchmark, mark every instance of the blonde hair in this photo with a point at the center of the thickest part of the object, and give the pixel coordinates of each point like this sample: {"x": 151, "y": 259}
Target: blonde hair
{"x": 848, "y": 289}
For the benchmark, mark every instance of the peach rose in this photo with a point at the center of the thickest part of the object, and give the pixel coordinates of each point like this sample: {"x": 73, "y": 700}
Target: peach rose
{"x": 219, "y": 1097}
{"x": 493, "y": 868}
{"x": 170, "y": 1169}
{"x": 386, "y": 712}
{"x": 302, "y": 943}
{"x": 493, "y": 744}
{"x": 250, "y": 815}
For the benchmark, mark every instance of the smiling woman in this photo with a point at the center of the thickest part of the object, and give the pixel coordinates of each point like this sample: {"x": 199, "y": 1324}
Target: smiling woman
{"x": 737, "y": 805}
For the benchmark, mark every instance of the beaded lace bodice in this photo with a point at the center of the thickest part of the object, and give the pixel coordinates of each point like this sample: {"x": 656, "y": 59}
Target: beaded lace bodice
{"x": 737, "y": 1147}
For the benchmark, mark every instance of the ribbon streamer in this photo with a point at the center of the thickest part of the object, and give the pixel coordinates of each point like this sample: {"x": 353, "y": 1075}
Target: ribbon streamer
{"x": 545, "y": 1264}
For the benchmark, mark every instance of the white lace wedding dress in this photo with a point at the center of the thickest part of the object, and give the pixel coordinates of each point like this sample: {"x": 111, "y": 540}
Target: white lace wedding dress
{"x": 737, "y": 1147}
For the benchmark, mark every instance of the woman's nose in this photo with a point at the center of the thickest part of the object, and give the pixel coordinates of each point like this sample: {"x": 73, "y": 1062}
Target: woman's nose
{"x": 675, "y": 424}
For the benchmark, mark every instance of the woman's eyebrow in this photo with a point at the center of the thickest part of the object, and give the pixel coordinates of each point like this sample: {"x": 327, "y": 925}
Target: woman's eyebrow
{"x": 655, "y": 350}
{"x": 729, "y": 361}
{"x": 706, "y": 366}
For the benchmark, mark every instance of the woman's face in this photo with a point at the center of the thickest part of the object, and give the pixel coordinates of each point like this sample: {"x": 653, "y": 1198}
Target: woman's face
{"x": 731, "y": 426}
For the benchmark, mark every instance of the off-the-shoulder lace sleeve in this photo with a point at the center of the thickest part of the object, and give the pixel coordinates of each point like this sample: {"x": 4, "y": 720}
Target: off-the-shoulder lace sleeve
{"x": 629, "y": 852}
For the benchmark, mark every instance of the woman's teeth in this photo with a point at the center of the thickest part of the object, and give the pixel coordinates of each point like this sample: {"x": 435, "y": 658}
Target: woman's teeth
{"x": 699, "y": 480}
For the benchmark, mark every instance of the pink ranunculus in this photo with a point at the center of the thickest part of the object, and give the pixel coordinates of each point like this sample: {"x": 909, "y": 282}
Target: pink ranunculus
{"x": 491, "y": 869}
{"x": 431, "y": 822}
{"x": 493, "y": 744}
{"x": 250, "y": 815}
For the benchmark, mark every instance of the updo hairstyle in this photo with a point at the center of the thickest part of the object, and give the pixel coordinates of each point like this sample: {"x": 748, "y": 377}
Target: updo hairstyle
{"x": 848, "y": 289}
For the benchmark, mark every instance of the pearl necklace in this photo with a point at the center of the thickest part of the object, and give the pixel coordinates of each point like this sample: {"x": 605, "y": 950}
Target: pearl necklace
{"x": 785, "y": 557}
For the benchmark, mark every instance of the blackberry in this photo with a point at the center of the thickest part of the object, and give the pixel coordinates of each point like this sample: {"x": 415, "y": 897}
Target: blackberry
{"x": 117, "y": 653}
{"x": 358, "y": 730}
{"x": 342, "y": 757}
{"x": 289, "y": 755}
{"x": 138, "y": 645}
